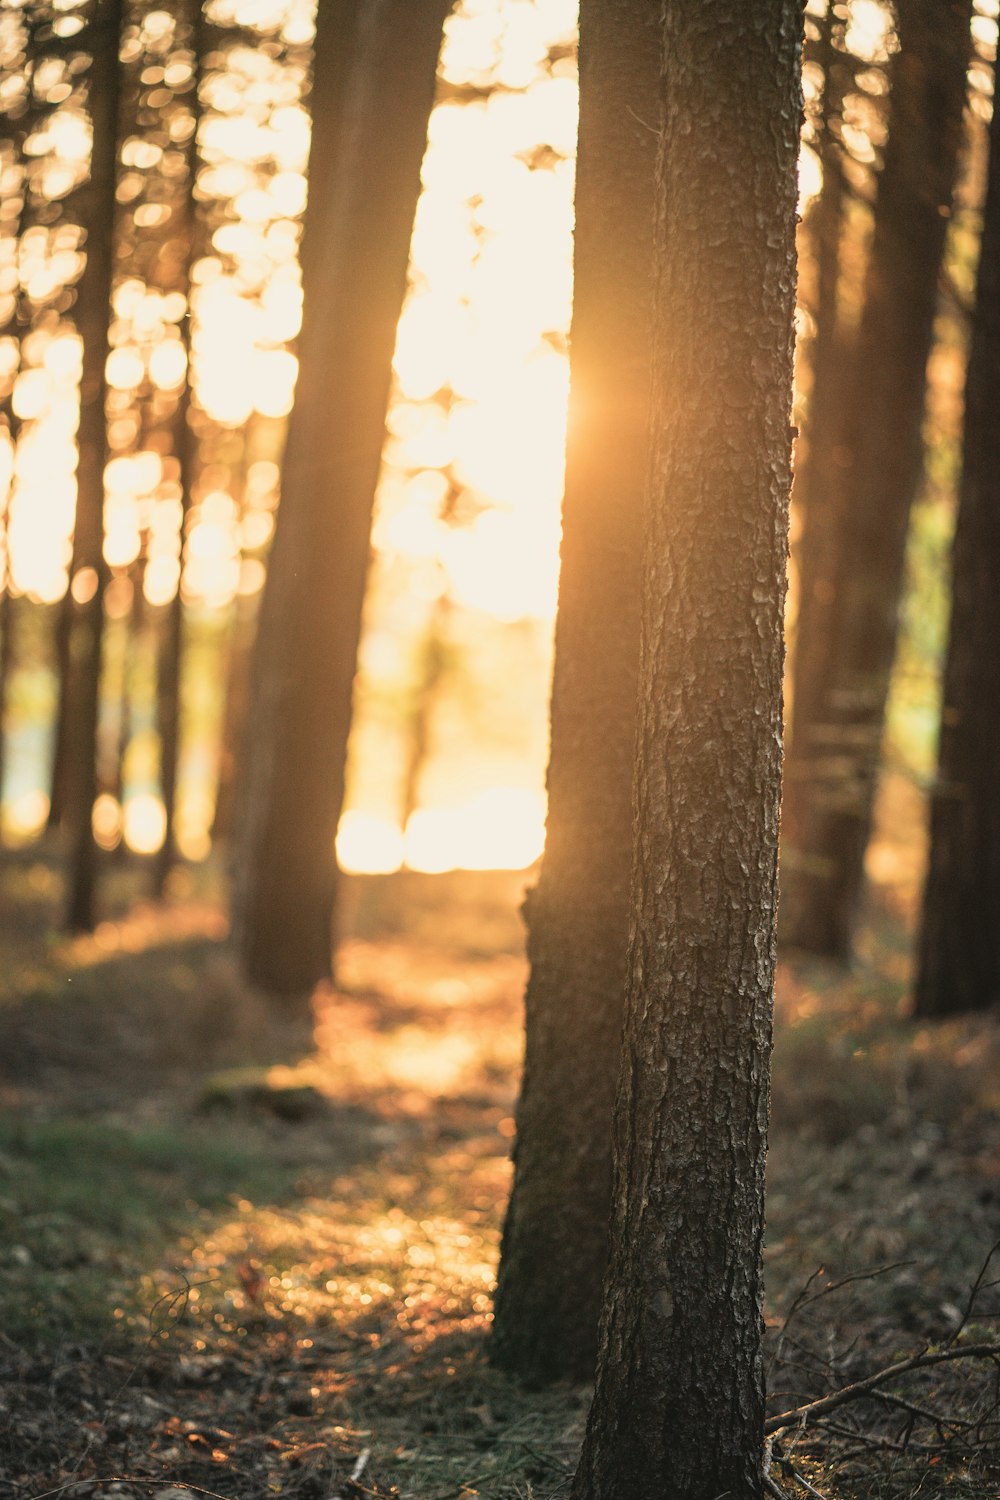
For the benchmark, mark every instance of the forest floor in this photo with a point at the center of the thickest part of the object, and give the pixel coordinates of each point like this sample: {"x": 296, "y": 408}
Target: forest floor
{"x": 242, "y": 1257}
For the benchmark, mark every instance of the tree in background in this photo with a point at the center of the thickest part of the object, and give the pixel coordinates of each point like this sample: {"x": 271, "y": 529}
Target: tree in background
{"x": 373, "y": 91}
{"x": 89, "y": 570}
{"x": 679, "y": 1404}
{"x": 168, "y": 680}
{"x": 959, "y": 941}
{"x": 844, "y": 650}
{"x": 25, "y": 118}
{"x": 555, "y": 1238}
{"x": 830, "y": 368}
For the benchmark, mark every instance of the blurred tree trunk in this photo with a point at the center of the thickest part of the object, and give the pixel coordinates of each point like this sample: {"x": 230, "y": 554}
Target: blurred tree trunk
{"x": 959, "y": 943}
{"x": 239, "y": 658}
{"x": 846, "y": 651}
{"x": 168, "y": 675}
{"x": 679, "y": 1406}
{"x": 556, "y": 1232}
{"x": 238, "y": 663}
{"x": 20, "y": 317}
{"x": 374, "y": 87}
{"x": 830, "y": 369}
{"x": 89, "y": 570}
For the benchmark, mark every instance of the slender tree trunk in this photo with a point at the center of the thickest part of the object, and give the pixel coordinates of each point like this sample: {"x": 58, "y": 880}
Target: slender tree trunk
{"x": 234, "y": 719}
{"x": 20, "y": 315}
{"x": 679, "y": 1407}
{"x": 7, "y": 628}
{"x": 959, "y": 943}
{"x": 841, "y": 694}
{"x": 89, "y": 568}
{"x": 8, "y": 621}
{"x": 168, "y": 682}
{"x": 61, "y": 735}
{"x": 134, "y": 628}
{"x": 831, "y": 381}
{"x": 373, "y": 92}
{"x": 556, "y": 1233}
{"x": 433, "y": 666}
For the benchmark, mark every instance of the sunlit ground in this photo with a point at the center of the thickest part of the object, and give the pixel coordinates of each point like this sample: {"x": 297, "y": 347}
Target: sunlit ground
{"x": 290, "y": 1249}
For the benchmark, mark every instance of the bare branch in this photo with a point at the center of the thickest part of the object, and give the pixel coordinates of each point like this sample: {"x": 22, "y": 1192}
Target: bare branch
{"x": 871, "y": 1382}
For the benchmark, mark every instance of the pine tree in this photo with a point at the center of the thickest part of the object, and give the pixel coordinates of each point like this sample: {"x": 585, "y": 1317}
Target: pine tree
{"x": 555, "y": 1237}
{"x": 89, "y": 570}
{"x": 845, "y": 651}
{"x": 373, "y": 91}
{"x": 959, "y": 942}
{"x": 679, "y": 1404}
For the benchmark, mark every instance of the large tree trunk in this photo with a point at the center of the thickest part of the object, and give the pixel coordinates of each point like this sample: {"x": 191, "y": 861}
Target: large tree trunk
{"x": 374, "y": 88}
{"x": 556, "y": 1233}
{"x": 846, "y": 649}
{"x": 89, "y": 568}
{"x": 679, "y": 1407}
{"x": 959, "y": 944}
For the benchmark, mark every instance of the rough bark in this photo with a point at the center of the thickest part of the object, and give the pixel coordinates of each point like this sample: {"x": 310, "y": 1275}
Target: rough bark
{"x": 679, "y": 1405}
{"x": 555, "y": 1237}
{"x": 93, "y": 315}
{"x": 374, "y": 88}
{"x": 959, "y": 943}
{"x": 840, "y": 703}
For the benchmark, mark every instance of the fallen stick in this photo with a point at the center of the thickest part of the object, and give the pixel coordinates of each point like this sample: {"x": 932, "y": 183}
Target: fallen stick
{"x": 862, "y": 1387}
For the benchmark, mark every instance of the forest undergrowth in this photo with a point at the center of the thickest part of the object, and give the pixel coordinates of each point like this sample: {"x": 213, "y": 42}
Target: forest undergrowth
{"x": 244, "y": 1260}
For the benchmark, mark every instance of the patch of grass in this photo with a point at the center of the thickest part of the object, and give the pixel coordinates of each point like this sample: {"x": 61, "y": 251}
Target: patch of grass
{"x": 86, "y": 1208}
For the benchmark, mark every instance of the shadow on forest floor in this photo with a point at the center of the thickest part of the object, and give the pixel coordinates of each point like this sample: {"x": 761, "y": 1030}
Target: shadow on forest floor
{"x": 244, "y": 1261}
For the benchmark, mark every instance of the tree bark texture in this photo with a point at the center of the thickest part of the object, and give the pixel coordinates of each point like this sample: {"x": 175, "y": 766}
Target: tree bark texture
{"x": 959, "y": 943}
{"x": 374, "y": 88}
{"x": 845, "y": 652}
{"x": 679, "y": 1406}
{"x": 555, "y": 1238}
{"x": 93, "y": 316}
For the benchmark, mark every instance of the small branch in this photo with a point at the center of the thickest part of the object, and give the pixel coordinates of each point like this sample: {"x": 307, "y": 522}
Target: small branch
{"x": 802, "y": 1480}
{"x": 977, "y": 1287}
{"x": 861, "y": 1388}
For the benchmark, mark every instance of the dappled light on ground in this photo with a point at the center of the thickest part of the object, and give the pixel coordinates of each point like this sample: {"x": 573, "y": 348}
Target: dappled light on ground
{"x": 265, "y": 1254}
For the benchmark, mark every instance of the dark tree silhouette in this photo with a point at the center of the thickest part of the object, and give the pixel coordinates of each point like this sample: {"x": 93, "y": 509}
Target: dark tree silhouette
{"x": 555, "y": 1237}
{"x": 171, "y": 646}
{"x": 831, "y": 370}
{"x": 373, "y": 92}
{"x": 845, "y": 649}
{"x": 679, "y": 1405}
{"x": 89, "y": 570}
{"x": 959, "y": 942}
{"x": 18, "y": 323}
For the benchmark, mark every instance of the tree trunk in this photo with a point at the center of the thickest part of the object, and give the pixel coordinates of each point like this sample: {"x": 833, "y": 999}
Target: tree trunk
{"x": 843, "y": 680}
{"x": 168, "y": 675}
{"x": 679, "y": 1405}
{"x": 374, "y": 88}
{"x": 89, "y": 568}
{"x": 556, "y": 1232}
{"x": 832, "y": 374}
{"x": 959, "y": 943}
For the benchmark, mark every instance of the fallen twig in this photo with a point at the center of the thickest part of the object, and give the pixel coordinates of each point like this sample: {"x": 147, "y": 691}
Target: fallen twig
{"x": 977, "y": 1287}
{"x": 860, "y": 1388}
